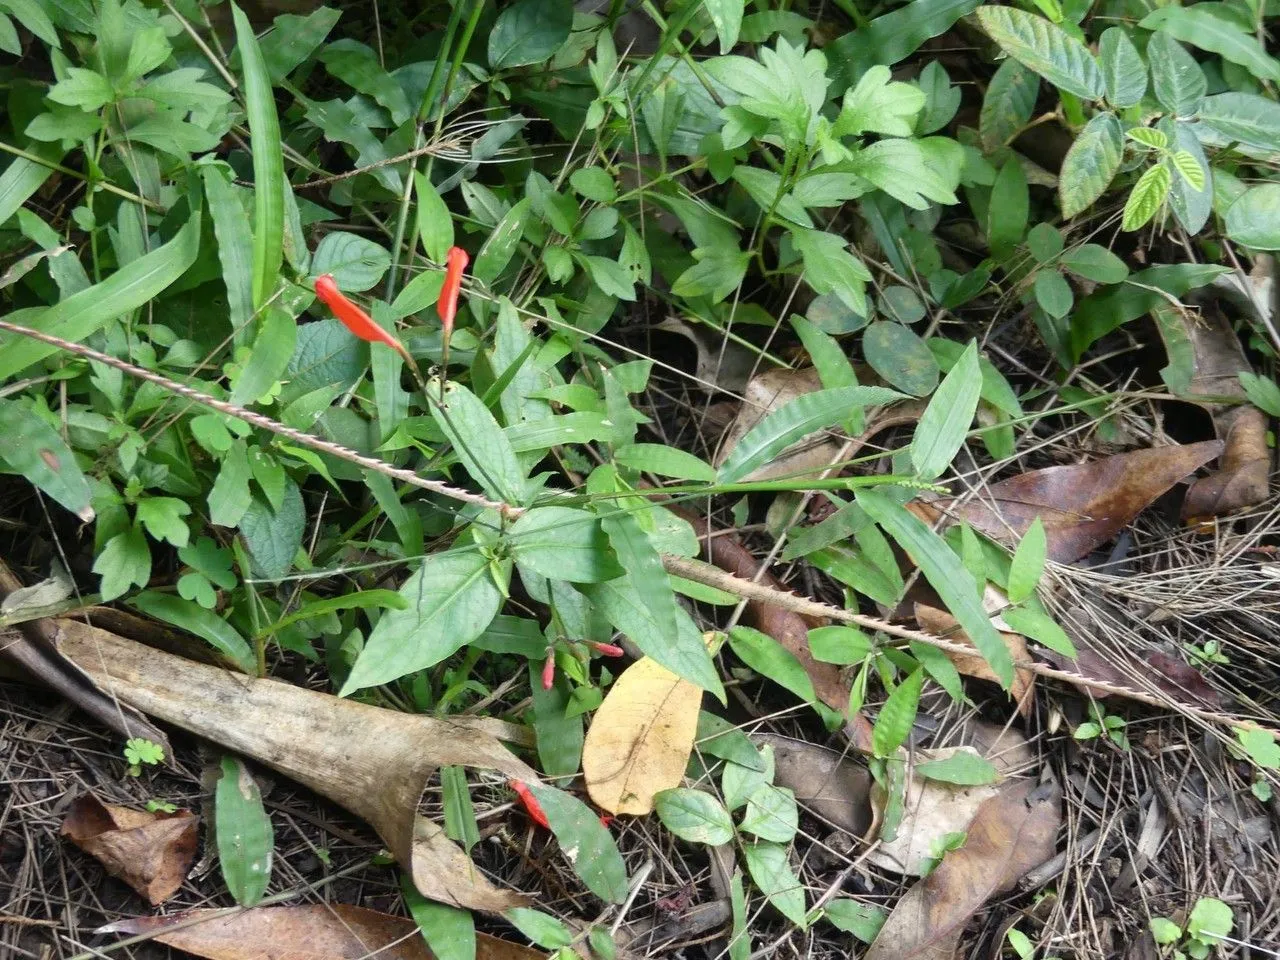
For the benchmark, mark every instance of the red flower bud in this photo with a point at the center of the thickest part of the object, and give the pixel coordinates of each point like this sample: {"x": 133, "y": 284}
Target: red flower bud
{"x": 353, "y": 317}
{"x": 549, "y": 672}
{"x": 531, "y": 805}
{"x": 607, "y": 649}
{"x": 456, "y": 261}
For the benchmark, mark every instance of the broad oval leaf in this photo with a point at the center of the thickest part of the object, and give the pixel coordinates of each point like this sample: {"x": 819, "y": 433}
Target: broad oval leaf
{"x": 205, "y": 624}
{"x": 356, "y": 262}
{"x": 1008, "y": 103}
{"x": 1123, "y": 71}
{"x": 1254, "y": 219}
{"x": 899, "y": 355}
{"x": 797, "y": 419}
{"x": 481, "y": 445}
{"x": 1091, "y": 163}
{"x": 1203, "y": 26}
{"x": 1177, "y": 79}
{"x": 1045, "y": 48}
{"x": 1096, "y": 263}
{"x": 435, "y": 223}
{"x": 640, "y": 738}
{"x": 1191, "y": 204}
{"x": 563, "y": 544}
{"x": 1147, "y": 196}
{"x": 770, "y": 869}
{"x": 272, "y": 537}
{"x": 243, "y": 829}
{"x": 529, "y": 31}
{"x": 892, "y": 37}
{"x": 1247, "y": 117}
{"x": 451, "y": 599}
{"x": 1053, "y": 293}
{"x": 1039, "y": 627}
{"x": 501, "y": 245}
{"x": 694, "y": 815}
{"x": 944, "y": 571}
{"x": 946, "y": 420}
{"x": 37, "y": 451}
{"x": 585, "y": 842}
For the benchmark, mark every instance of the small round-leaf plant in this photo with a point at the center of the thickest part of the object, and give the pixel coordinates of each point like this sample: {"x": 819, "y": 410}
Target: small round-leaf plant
{"x": 139, "y": 751}
{"x": 1210, "y": 922}
{"x": 1103, "y": 723}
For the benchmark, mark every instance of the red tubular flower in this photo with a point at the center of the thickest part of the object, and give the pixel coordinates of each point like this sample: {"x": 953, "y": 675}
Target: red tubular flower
{"x": 607, "y": 649}
{"x": 456, "y": 261}
{"x": 531, "y": 805}
{"x": 549, "y": 672}
{"x": 353, "y": 317}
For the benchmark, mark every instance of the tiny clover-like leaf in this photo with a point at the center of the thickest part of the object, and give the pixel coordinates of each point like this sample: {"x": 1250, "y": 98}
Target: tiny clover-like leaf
{"x": 140, "y": 750}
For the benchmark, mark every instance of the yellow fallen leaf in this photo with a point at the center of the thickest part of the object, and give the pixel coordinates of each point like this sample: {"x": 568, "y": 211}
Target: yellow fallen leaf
{"x": 640, "y": 738}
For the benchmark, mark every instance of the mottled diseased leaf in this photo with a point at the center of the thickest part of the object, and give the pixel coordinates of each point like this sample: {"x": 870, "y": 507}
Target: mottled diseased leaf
{"x": 1091, "y": 163}
{"x": 1045, "y": 48}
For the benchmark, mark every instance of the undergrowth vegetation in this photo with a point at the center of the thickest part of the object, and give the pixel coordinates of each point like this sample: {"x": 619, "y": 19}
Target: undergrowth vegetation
{"x": 967, "y": 215}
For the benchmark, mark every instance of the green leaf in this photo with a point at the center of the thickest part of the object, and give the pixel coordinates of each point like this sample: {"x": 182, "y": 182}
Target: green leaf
{"x": 356, "y": 263}
{"x": 162, "y": 518}
{"x": 360, "y": 600}
{"x": 23, "y": 177}
{"x": 451, "y": 598}
{"x": 1262, "y": 393}
{"x": 611, "y": 277}
{"x": 268, "y": 162}
{"x": 860, "y": 919}
{"x": 84, "y": 313}
{"x": 1123, "y": 71}
{"x": 739, "y": 939}
{"x": 767, "y": 657}
{"x": 1091, "y": 163}
{"x": 946, "y": 420}
{"x": 1191, "y": 204}
{"x": 716, "y": 274}
{"x": 893, "y": 725}
{"x": 1053, "y": 293}
{"x": 1096, "y": 263}
{"x": 64, "y": 125}
{"x": 738, "y": 782}
{"x": 901, "y": 169}
{"x": 1164, "y": 930}
{"x": 1046, "y": 48}
{"x": 449, "y": 931}
{"x": 205, "y": 624}
{"x": 893, "y": 36}
{"x": 944, "y": 571}
{"x": 86, "y": 89}
{"x": 585, "y": 842}
{"x": 726, "y": 16}
{"x": 481, "y": 445}
{"x": 694, "y": 815}
{"x": 125, "y": 561}
{"x": 1008, "y": 210}
{"x": 1246, "y": 117}
{"x": 272, "y": 351}
{"x": 765, "y": 188}
{"x": 771, "y": 814}
{"x": 840, "y": 645}
{"x": 31, "y": 14}
{"x": 229, "y": 497}
{"x": 1210, "y": 920}
{"x": 1254, "y": 219}
{"x": 356, "y": 65}
{"x": 1177, "y": 80}
{"x": 943, "y": 99}
{"x": 243, "y": 830}
{"x": 37, "y": 451}
{"x": 1028, "y": 563}
{"x": 529, "y": 31}
{"x": 879, "y": 104}
{"x": 435, "y": 224}
{"x": 1008, "y": 103}
{"x": 683, "y": 653}
{"x": 542, "y": 928}
{"x": 1147, "y": 196}
{"x": 830, "y": 267}
{"x": 1148, "y": 136}
{"x": 272, "y": 537}
{"x": 900, "y": 356}
{"x": 1203, "y": 25}
{"x": 1045, "y": 242}
{"x": 502, "y": 243}
{"x": 459, "y": 814}
{"x": 962, "y": 767}
{"x": 665, "y": 461}
{"x": 294, "y": 39}
{"x": 771, "y": 872}
{"x": 797, "y": 419}
{"x": 717, "y": 737}
{"x": 563, "y": 544}
{"x": 1039, "y": 627}
{"x": 235, "y": 249}
{"x": 1261, "y": 747}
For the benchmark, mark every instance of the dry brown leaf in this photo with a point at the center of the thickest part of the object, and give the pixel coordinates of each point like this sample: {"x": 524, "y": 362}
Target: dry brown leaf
{"x": 640, "y": 738}
{"x": 374, "y": 762}
{"x": 1012, "y": 832}
{"x": 329, "y": 932}
{"x": 151, "y": 852}
{"x": 940, "y": 623}
{"x": 1217, "y": 360}
{"x": 1082, "y": 506}
{"x": 932, "y": 809}
{"x": 825, "y": 781}
{"x": 1175, "y": 678}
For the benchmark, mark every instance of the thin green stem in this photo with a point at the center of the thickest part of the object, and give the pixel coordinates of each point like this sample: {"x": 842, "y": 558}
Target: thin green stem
{"x": 105, "y": 185}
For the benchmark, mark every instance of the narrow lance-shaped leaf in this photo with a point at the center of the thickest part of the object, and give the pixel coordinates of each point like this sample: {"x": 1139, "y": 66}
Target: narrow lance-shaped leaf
{"x": 947, "y": 418}
{"x": 245, "y": 838}
{"x": 268, "y": 162}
